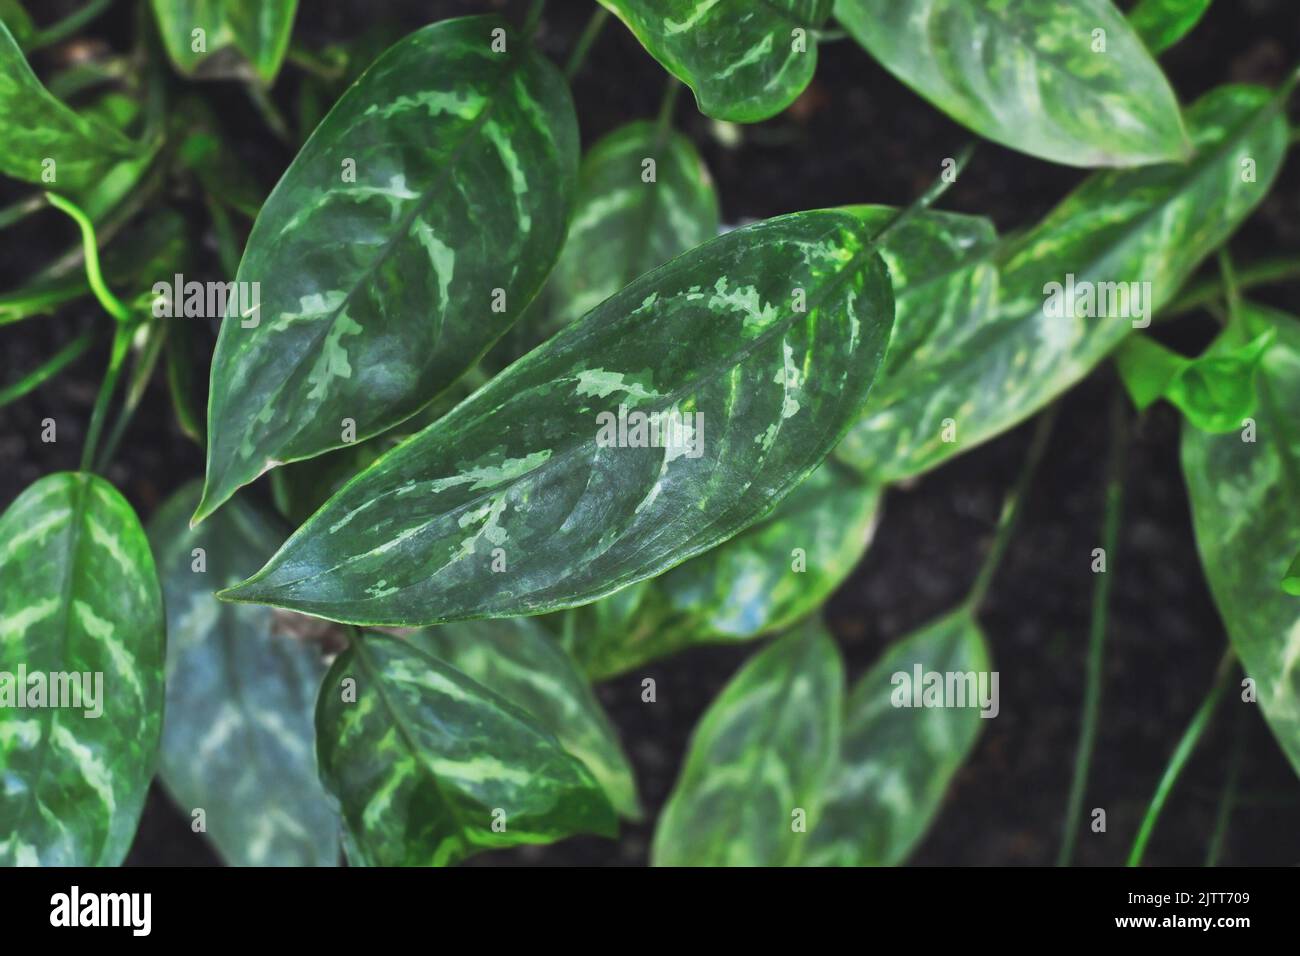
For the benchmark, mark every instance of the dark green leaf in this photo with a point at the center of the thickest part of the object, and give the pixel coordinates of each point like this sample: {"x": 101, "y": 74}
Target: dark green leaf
{"x": 431, "y": 767}
{"x": 1070, "y": 82}
{"x": 238, "y": 739}
{"x": 1162, "y": 23}
{"x": 253, "y": 30}
{"x": 78, "y": 596}
{"x": 745, "y": 61}
{"x": 528, "y": 478}
{"x": 18, "y": 20}
{"x": 376, "y": 295}
{"x": 1291, "y": 583}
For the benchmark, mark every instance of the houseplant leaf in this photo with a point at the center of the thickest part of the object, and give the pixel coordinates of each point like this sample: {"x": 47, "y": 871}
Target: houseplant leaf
{"x": 18, "y": 20}
{"x": 1245, "y": 494}
{"x": 238, "y": 737}
{"x": 896, "y": 761}
{"x": 760, "y": 755}
{"x": 377, "y": 294}
{"x": 1291, "y": 582}
{"x": 1029, "y": 75}
{"x": 528, "y": 477}
{"x": 1162, "y": 23}
{"x": 424, "y": 761}
{"x": 78, "y": 595}
{"x": 1147, "y": 225}
{"x": 517, "y": 660}
{"x": 255, "y": 30}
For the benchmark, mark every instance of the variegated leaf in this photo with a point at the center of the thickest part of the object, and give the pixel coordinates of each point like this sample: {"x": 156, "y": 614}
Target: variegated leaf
{"x": 896, "y": 759}
{"x": 81, "y": 617}
{"x": 745, "y": 61}
{"x": 1151, "y": 225}
{"x": 1162, "y": 23}
{"x": 238, "y": 738}
{"x": 767, "y": 577}
{"x": 530, "y": 496}
{"x": 752, "y": 785}
{"x": 1245, "y": 494}
{"x": 212, "y": 38}
{"x": 517, "y": 660}
{"x": 379, "y": 289}
{"x": 1070, "y": 82}
{"x": 430, "y": 766}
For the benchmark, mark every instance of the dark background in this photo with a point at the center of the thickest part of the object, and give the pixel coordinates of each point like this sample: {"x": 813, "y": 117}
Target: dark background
{"x": 857, "y": 135}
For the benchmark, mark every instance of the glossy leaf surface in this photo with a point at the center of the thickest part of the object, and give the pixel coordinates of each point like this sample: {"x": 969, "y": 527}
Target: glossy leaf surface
{"x": 255, "y": 30}
{"x": 1162, "y": 23}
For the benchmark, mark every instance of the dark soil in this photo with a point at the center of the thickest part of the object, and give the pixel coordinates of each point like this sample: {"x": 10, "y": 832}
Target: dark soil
{"x": 857, "y": 135}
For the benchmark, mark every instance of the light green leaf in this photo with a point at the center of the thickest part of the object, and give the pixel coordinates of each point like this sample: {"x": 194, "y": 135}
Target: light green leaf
{"x": 1245, "y": 494}
{"x": 745, "y": 61}
{"x": 377, "y": 294}
{"x": 430, "y": 766}
{"x": 1152, "y": 225}
{"x": 517, "y": 660}
{"x": 525, "y": 498}
{"x": 1162, "y": 23}
{"x": 81, "y": 624}
{"x": 238, "y": 738}
{"x": 896, "y": 760}
{"x": 1291, "y": 583}
{"x": 256, "y": 31}
{"x": 1070, "y": 82}
{"x": 759, "y": 760}
{"x": 774, "y": 573}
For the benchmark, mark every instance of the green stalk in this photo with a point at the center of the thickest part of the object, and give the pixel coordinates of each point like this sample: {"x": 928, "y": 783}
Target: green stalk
{"x": 929, "y": 197}
{"x": 20, "y": 210}
{"x": 116, "y": 359}
{"x": 1097, "y": 632}
{"x": 73, "y": 22}
{"x": 1265, "y": 272}
{"x": 533, "y": 18}
{"x": 111, "y": 303}
{"x": 585, "y": 40}
{"x": 47, "y": 369}
{"x": 1191, "y": 737}
{"x": 1229, "y": 799}
{"x": 1232, "y": 291}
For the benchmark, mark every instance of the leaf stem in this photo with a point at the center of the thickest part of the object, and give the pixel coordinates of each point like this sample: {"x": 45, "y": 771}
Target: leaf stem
{"x": 930, "y": 196}
{"x": 1011, "y": 507}
{"x": 664, "y": 118}
{"x": 270, "y": 113}
{"x": 47, "y": 369}
{"x": 1229, "y": 799}
{"x": 111, "y": 303}
{"x": 585, "y": 41}
{"x": 62, "y": 29}
{"x": 1266, "y": 272}
{"x": 1191, "y": 737}
{"x": 1231, "y": 289}
{"x": 20, "y": 210}
{"x": 116, "y": 359}
{"x": 1097, "y": 630}
{"x": 533, "y": 18}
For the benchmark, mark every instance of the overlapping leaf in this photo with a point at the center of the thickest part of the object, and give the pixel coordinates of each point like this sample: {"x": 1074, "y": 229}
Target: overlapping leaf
{"x": 753, "y": 782}
{"x": 80, "y": 616}
{"x": 376, "y": 294}
{"x": 1245, "y": 494}
{"x": 1162, "y": 23}
{"x": 1152, "y": 225}
{"x": 745, "y": 61}
{"x": 238, "y": 738}
{"x": 233, "y": 30}
{"x": 430, "y": 766}
{"x": 1030, "y": 74}
{"x": 523, "y": 499}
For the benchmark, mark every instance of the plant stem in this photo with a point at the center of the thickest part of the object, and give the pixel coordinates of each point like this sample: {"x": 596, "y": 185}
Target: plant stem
{"x": 1097, "y": 631}
{"x": 1011, "y": 507}
{"x": 117, "y": 357}
{"x": 270, "y": 113}
{"x": 929, "y": 197}
{"x": 664, "y": 119}
{"x": 1231, "y": 289}
{"x": 47, "y": 369}
{"x": 1229, "y": 798}
{"x": 1266, "y": 272}
{"x": 69, "y": 25}
{"x": 585, "y": 40}
{"x": 111, "y": 303}
{"x": 141, "y": 372}
{"x": 1191, "y": 737}
{"x": 533, "y": 18}
{"x": 20, "y": 210}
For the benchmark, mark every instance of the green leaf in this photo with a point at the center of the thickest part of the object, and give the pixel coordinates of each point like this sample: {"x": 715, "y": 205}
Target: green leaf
{"x": 896, "y": 761}
{"x": 745, "y": 61}
{"x": 623, "y": 226}
{"x": 528, "y": 477}
{"x": 37, "y": 127}
{"x": 376, "y": 295}
{"x": 253, "y": 30}
{"x": 1029, "y": 75}
{"x": 424, "y": 762}
{"x": 1162, "y": 23}
{"x": 78, "y": 596}
{"x": 517, "y": 660}
{"x": 1245, "y": 494}
{"x": 759, "y": 760}
{"x": 238, "y": 739}
{"x": 1291, "y": 583}
{"x": 1148, "y": 225}
{"x": 18, "y": 20}
{"x": 774, "y": 573}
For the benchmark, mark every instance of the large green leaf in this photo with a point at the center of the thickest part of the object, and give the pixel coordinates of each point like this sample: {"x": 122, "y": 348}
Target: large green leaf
{"x": 254, "y": 30}
{"x": 79, "y": 608}
{"x": 752, "y": 786}
{"x": 744, "y": 60}
{"x": 770, "y": 575}
{"x": 1245, "y": 494}
{"x": 18, "y": 20}
{"x": 430, "y": 766}
{"x": 1162, "y": 23}
{"x": 238, "y": 739}
{"x": 522, "y": 500}
{"x": 376, "y": 295}
{"x": 36, "y": 129}
{"x": 624, "y": 226}
{"x": 1148, "y": 225}
{"x": 517, "y": 660}
{"x": 1029, "y": 75}
{"x": 896, "y": 760}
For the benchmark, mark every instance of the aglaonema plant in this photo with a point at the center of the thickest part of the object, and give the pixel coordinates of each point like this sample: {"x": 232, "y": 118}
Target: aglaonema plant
{"x": 532, "y": 419}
